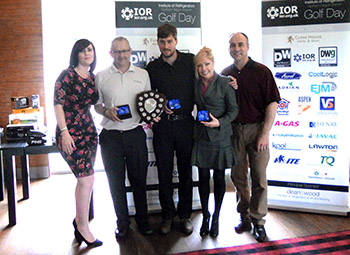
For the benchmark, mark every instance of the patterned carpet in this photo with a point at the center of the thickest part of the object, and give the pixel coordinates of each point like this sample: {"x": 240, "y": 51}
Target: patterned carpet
{"x": 331, "y": 243}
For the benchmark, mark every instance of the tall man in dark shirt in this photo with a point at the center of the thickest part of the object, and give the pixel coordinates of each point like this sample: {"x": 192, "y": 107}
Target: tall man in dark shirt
{"x": 173, "y": 75}
{"x": 257, "y": 98}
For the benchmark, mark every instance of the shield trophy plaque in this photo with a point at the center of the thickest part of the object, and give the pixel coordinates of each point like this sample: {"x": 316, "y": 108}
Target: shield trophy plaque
{"x": 150, "y": 104}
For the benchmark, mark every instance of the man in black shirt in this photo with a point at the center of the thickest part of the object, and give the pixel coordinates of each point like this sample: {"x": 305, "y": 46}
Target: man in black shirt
{"x": 172, "y": 74}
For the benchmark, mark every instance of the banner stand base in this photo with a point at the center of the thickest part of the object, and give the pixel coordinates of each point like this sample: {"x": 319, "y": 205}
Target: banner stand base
{"x": 311, "y": 208}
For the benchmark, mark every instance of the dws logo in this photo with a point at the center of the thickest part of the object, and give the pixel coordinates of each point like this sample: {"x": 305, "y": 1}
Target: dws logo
{"x": 282, "y": 57}
{"x": 139, "y": 58}
{"x": 328, "y": 56}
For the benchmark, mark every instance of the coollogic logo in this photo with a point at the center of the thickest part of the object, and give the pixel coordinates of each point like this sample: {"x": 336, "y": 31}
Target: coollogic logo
{"x": 282, "y": 12}
{"x": 304, "y": 103}
{"x": 329, "y": 160}
{"x": 282, "y": 57}
{"x": 308, "y": 57}
{"x": 325, "y": 87}
{"x": 332, "y": 148}
{"x": 139, "y": 58}
{"x": 287, "y": 123}
{"x": 327, "y": 103}
{"x": 314, "y": 124}
{"x": 323, "y": 74}
{"x": 288, "y": 76}
{"x": 289, "y": 161}
{"x": 128, "y": 13}
{"x": 328, "y": 56}
{"x": 283, "y": 107}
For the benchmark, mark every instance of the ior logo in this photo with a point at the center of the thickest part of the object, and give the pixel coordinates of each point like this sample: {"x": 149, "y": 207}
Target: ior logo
{"x": 127, "y": 13}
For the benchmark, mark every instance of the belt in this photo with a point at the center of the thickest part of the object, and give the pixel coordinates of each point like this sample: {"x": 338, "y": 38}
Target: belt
{"x": 176, "y": 117}
{"x": 122, "y": 131}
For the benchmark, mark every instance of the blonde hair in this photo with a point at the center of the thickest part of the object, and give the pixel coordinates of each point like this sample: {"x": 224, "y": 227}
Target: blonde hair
{"x": 205, "y": 52}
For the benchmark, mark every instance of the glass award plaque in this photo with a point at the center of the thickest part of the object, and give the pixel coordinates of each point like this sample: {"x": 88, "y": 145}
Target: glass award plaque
{"x": 150, "y": 104}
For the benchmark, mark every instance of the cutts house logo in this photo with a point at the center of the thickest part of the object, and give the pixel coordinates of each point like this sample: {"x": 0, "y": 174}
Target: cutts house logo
{"x": 328, "y": 56}
{"x": 282, "y": 57}
{"x": 282, "y": 12}
{"x": 128, "y": 13}
{"x": 327, "y": 103}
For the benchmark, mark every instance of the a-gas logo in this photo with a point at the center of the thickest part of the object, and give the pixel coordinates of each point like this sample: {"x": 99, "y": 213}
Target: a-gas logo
{"x": 287, "y": 123}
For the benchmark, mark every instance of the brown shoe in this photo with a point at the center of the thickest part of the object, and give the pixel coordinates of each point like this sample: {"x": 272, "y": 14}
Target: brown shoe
{"x": 245, "y": 225}
{"x": 186, "y": 226}
{"x": 166, "y": 226}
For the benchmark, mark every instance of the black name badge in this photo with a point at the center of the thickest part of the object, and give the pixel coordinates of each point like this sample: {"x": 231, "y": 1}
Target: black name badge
{"x": 150, "y": 104}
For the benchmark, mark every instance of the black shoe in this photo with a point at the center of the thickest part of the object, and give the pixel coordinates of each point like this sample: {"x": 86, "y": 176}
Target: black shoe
{"x": 259, "y": 233}
{"x": 75, "y": 224}
{"x": 144, "y": 228}
{"x": 81, "y": 239}
{"x": 186, "y": 226}
{"x": 205, "y": 227}
{"x": 245, "y": 225}
{"x": 214, "y": 230}
{"x": 121, "y": 231}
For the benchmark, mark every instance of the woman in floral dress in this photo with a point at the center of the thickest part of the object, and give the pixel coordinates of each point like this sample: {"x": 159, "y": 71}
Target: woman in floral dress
{"x": 76, "y": 133}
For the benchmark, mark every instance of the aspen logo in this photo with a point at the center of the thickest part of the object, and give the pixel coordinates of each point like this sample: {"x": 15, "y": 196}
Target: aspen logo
{"x": 327, "y": 103}
{"x": 304, "y": 103}
{"x": 328, "y": 56}
{"x": 282, "y": 57}
{"x": 287, "y": 123}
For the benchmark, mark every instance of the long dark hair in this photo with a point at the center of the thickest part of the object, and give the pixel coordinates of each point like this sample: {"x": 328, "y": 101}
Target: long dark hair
{"x": 79, "y": 46}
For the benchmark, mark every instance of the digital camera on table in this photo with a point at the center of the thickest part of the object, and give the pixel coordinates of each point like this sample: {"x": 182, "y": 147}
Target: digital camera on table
{"x": 124, "y": 112}
{"x": 203, "y": 116}
{"x": 174, "y": 104}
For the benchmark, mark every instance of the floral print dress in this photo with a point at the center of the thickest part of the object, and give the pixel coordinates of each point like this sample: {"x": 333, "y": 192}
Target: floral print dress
{"x": 76, "y": 95}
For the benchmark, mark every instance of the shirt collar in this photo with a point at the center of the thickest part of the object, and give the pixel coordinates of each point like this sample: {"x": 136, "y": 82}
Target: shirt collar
{"x": 114, "y": 69}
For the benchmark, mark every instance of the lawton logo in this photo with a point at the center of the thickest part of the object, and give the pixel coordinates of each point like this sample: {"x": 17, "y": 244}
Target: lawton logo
{"x": 128, "y": 13}
{"x": 328, "y": 56}
{"x": 282, "y": 12}
{"x": 327, "y": 147}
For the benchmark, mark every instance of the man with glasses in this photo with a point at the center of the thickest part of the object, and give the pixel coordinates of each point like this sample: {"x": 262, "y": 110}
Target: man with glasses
{"x": 123, "y": 140}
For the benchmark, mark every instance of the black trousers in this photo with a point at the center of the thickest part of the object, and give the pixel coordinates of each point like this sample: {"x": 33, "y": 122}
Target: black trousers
{"x": 126, "y": 148}
{"x": 170, "y": 137}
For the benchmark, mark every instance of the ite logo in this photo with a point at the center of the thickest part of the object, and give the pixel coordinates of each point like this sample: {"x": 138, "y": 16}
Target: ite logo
{"x": 327, "y": 103}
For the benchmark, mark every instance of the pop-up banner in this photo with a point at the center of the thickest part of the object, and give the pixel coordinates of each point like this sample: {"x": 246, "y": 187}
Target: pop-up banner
{"x": 306, "y": 45}
{"x": 138, "y": 21}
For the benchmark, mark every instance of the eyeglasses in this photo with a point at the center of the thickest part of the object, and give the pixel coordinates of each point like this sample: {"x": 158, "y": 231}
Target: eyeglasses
{"x": 119, "y": 51}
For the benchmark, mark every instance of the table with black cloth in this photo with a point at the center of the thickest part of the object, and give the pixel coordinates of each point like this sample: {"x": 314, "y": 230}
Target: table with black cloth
{"x": 8, "y": 172}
